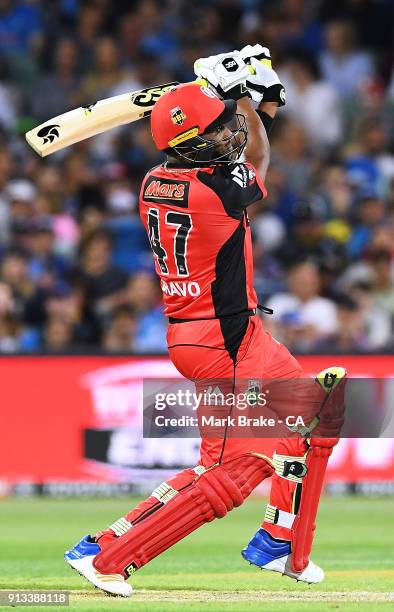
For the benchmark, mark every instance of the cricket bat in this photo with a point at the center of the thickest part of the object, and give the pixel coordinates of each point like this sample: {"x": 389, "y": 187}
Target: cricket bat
{"x": 87, "y": 121}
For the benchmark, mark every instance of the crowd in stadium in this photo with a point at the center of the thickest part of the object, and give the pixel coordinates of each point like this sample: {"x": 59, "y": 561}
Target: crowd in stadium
{"x": 76, "y": 270}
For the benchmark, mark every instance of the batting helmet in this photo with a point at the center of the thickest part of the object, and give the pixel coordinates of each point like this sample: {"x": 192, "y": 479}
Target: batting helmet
{"x": 187, "y": 111}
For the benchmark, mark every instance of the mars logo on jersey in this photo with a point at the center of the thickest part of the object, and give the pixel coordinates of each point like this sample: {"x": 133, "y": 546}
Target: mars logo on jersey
{"x": 166, "y": 191}
{"x": 177, "y": 115}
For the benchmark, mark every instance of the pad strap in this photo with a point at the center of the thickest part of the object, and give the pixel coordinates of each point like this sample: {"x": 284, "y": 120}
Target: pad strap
{"x": 163, "y": 493}
{"x": 120, "y": 526}
{"x": 291, "y": 468}
{"x": 279, "y": 517}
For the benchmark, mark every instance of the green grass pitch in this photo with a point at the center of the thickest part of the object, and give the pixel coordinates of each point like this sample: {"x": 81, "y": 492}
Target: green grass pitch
{"x": 354, "y": 544}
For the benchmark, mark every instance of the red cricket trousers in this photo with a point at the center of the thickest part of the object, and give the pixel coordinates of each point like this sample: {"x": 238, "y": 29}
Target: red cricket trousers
{"x": 198, "y": 351}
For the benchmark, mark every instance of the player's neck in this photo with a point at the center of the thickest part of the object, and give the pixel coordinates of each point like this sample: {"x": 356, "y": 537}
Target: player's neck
{"x": 175, "y": 162}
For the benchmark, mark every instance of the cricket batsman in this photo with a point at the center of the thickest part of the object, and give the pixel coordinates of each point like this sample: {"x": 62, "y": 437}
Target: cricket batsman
{"x": 194, "y": 209}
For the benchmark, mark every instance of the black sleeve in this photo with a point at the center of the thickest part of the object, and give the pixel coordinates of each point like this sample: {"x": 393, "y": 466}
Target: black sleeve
{"x": 266, "y": 120}
{"x": 237, "y": 184}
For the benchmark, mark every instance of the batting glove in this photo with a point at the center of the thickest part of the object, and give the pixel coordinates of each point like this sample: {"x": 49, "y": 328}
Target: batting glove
{"x": 264, "y": 84}
{"x": 225, "y": 73}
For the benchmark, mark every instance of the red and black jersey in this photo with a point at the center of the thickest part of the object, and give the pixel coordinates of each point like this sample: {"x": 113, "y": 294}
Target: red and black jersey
{"x": 199, "y": 232}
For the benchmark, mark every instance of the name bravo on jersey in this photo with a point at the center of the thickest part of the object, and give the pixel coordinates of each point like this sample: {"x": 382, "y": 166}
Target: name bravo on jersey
{"x": 181, "y": 288}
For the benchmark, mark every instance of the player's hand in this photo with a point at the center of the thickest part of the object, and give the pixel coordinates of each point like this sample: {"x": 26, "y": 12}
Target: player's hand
{"x": 226, "y": 74}
{"x": 259, "y": 52}
{"x": 264, "y": 85}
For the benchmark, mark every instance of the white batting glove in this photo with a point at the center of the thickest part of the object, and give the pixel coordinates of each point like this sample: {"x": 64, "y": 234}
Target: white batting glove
{"x": 257, "y": 51}
{"x": 226, "y": 73}
{"x": 264, "y": 84}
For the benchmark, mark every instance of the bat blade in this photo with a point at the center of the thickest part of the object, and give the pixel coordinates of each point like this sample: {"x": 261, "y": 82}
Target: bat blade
{"x": 87, "y": 121}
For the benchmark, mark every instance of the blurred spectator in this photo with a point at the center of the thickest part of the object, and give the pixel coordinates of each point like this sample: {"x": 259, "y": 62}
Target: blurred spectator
{"x": 351, "y": 335}
{"x": 21, "y": 194}
{"x": 144, "y": 295}
{"x": 106, "y": 72}
{"x": 370, "y": 213}
{"x": 8, "y": 100}
{"x": 335, "y": 193}
{"x": 45, "y": 266}
{"x": 370, "y": 163}
{"x": 119, "y": 337}
{"x": 20, "y": 25}
{"x": 91, "y": 207}
{"x": 56, "y": 91}
{"x": 58, "y": 336}
{"x": 21, "y": 30}
{"x": 5, "y": 172}
{"x": 292, "y": 155}
{"x": 376, "y": 320}
{"x": 311, "y": 101}
{"x": 8, "y": 322}
{"x": 154, "y": 38}
{"x": 301, "y": 317}
{"x": 101, "y": 283}
{"x": 343, "y": 65}
{"x": 383, "y": 279}
{"x": 90, "y": 23}
{"x": 14, "y": 273}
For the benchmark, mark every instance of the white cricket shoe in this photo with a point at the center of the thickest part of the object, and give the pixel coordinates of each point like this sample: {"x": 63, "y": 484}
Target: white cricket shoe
{"x": 80, "y": 558}
{"x": 274, "y": 555}
{"x": 312, "y": 574}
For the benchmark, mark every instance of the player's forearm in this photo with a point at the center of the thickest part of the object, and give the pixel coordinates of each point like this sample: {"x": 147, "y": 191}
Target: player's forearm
{"x": 257, "y": 150}
{"x": 267, "y": 112}
{"x": 270, "y": 108}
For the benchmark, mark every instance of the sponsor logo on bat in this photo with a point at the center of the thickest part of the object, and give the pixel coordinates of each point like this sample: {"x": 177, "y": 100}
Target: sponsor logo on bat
{"x": 88, "y": 108}
{"x": 147, "y": 97}
{"x": 177, "y": 115}
{"x": 48, "y": 133}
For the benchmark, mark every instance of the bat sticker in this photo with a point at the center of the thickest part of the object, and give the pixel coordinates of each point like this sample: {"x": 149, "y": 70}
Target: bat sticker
{"x": 147, "y": 97}
{"x": 48, "y": 133}
{"x": 88, "y": 108}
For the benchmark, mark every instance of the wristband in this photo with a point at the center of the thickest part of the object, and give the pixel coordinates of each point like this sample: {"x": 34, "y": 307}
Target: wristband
{"x": 266, "y": 120}
{"x": 275, "y": 93}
